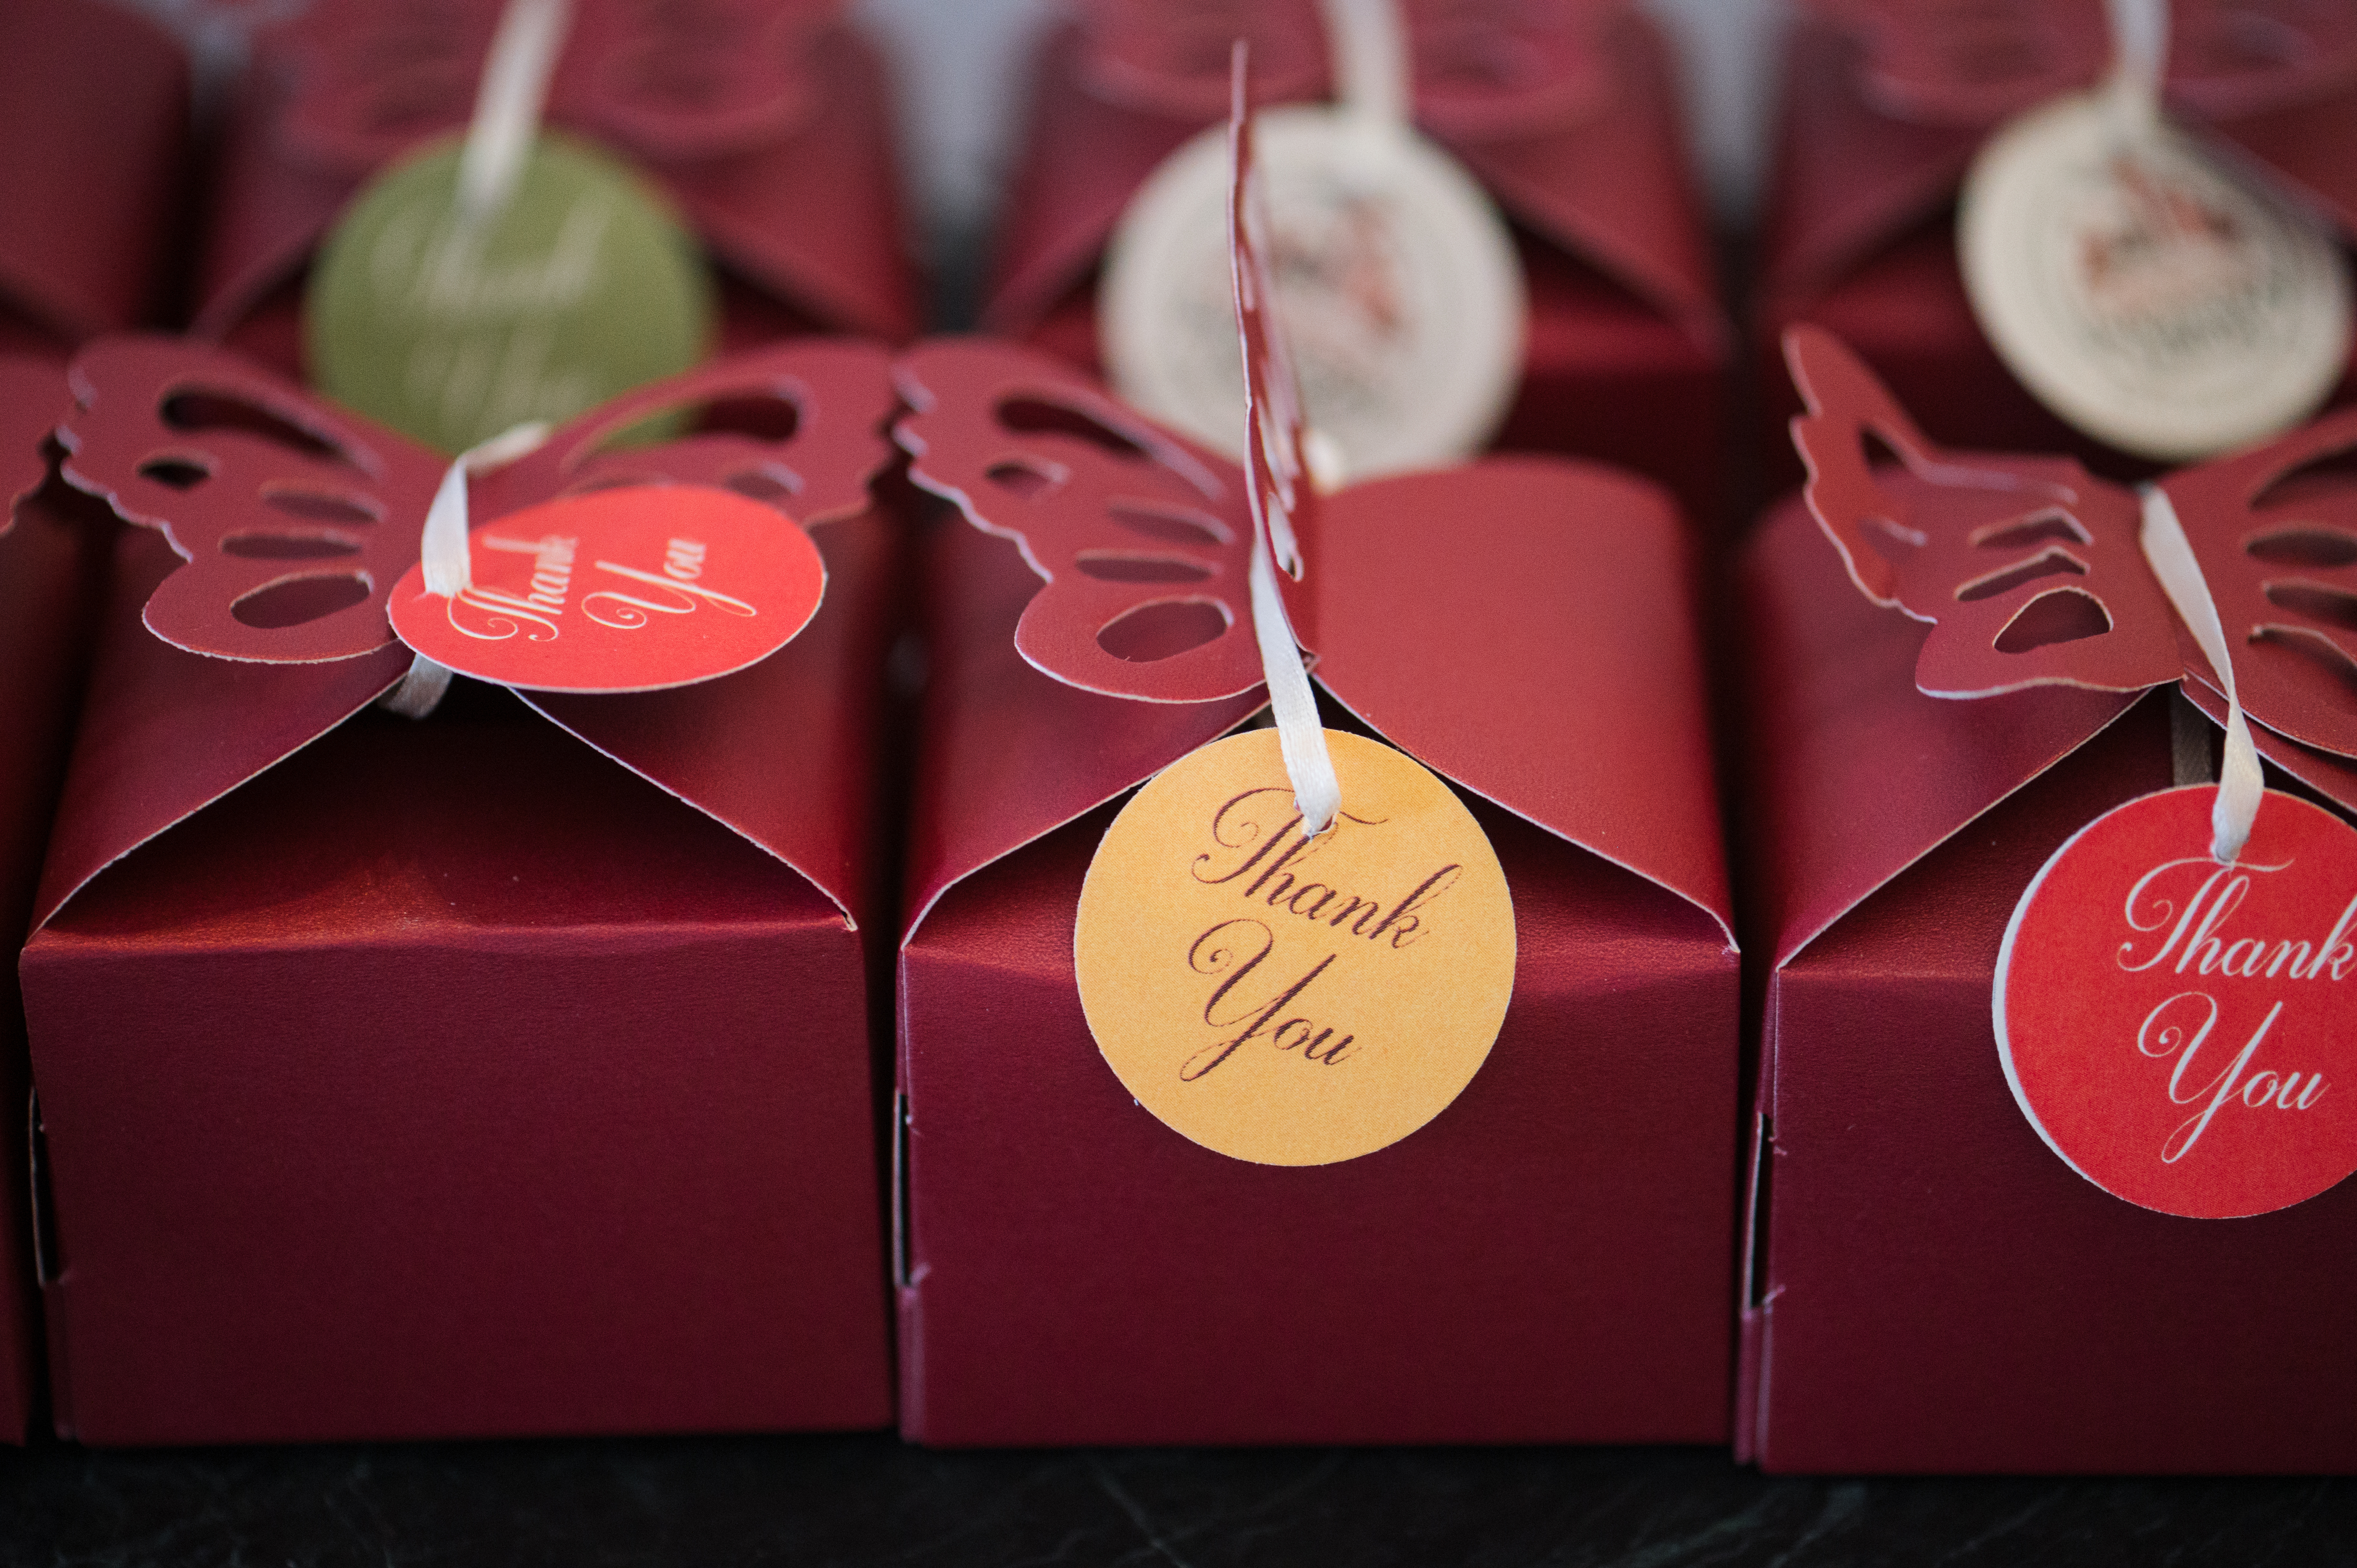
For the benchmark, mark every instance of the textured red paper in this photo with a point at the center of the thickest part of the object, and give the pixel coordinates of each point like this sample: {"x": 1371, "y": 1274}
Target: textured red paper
{"x": 96, "y": 180}
{"x": 52, "y": 559}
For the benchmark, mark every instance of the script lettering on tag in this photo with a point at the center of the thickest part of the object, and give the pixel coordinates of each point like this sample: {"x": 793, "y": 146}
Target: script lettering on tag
{"x": 1269, "y": 871}
{"x": 2197, "y": 935}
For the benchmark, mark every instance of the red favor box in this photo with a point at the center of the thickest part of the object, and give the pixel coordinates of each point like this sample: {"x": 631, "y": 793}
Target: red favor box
{"x": 1548, "y": 1259}
{"x": 1885, "y": 103}
{"x": 52, "y": 561}
{"x": 506, "y": 1073}
{"x": 768, "y": 126}
{"x": 1929, "y": 1288}
{"x": 1577, "y": 137}
{"x": 94, "y": 116}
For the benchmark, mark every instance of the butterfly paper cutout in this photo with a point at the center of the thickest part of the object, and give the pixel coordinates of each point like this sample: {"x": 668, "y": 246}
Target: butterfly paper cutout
{"x": 296, "y": 519}
{"x": 2030, "y": 571}
{"x": 1974, "y": 62}
{"x": 668, "y": 82}
{"x": 31, "y": 392}
{"x": 1481, "y": 70}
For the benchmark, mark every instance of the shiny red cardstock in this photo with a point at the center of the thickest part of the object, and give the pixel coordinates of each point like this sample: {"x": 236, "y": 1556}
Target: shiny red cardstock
{"x": 768, "y": 126}
{"x": 508, "y": 1073}
{"x": 1928, "y": 1287}
{"x": 1884, "y": 105}
{"x": 52, "y": 558}
{"x": 1075, "y": 1271}
{"x": 1576, "y": 136}
{"x": 94, "y": 114}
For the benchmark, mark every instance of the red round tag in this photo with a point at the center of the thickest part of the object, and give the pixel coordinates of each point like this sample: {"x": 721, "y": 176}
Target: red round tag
{"x": 622, "y": 590}
{"x": 2184, "y": 1033}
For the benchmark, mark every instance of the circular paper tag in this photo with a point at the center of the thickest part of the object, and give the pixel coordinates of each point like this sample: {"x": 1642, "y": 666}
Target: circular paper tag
{"x": 581, "y": 287}
{"x": 1401, "y": 297}
{"x": 2143, "y": 291}
{"x": 2183, "y": 1033}
{"x": 622, "y": 590}
{"x": 1285, "y": 1001}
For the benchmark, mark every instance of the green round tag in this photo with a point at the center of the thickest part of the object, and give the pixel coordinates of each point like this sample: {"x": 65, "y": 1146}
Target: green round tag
{"x": 581, "y": 287}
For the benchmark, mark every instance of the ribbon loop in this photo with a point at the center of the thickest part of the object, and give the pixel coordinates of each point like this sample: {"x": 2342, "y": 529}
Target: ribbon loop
{"x": 508, "y": 106}
{"x": 2240, "y": 783}
{"x": 444, "y": 553}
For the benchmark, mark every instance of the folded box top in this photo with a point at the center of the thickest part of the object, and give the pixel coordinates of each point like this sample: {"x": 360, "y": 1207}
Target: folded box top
{"x": 293, "y": 522}
{"x": 1523, "y": 625}
{"x": 1873, "y": 748}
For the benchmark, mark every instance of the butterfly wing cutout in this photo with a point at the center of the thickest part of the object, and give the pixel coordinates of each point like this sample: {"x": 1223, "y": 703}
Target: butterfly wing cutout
{"x": 2029, "y": 568}
{"x": 295, "y": 520}
{"x": 370, "y": 80}
{"x": 1143, "y": 540}
{"x": 799, "y": 427}
{"x": 2274, "y": 530}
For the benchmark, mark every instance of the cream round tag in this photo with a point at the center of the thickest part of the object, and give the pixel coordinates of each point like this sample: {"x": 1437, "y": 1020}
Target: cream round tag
{"x": 2144, "y": 291}
{"x": 1291, "y": 1001}
{"x": 1401, "y": 295}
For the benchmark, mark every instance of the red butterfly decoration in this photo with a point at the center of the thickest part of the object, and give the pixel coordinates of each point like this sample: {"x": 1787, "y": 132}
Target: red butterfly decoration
{"x": 296, "y": 519}
{"x": 1482, "y": 69}
{"x": 669, "y": 82}
{"x": 1974, "y": 62}
{"x": 2028, "y": 568}
{"x": 2031, "y": 571}
{"x": 1143, "y": 538}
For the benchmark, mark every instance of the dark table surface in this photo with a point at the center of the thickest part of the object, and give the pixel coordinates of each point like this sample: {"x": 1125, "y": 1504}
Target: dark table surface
{"x": 811, "y": 1501}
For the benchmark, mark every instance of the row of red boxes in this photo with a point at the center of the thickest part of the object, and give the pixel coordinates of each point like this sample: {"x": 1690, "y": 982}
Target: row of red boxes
{"x": 400, "y": 1080}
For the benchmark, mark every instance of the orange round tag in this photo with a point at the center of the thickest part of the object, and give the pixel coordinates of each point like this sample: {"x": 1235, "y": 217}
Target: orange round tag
{"x": 623, "y": 590}
{"x": 1292, "y": 1001}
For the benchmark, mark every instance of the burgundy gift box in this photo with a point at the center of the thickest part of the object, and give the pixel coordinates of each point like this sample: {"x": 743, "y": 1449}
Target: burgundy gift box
{"x": 1566, "y": 111}
{"x": 1930, "y": 1287}
{"x": 94, "y": 116}
{"x": 1550, "y": 1257}
{"x": 52, "y": 544}
{"x": 768, "y": 127}
{"x": 510, "y": 1072}
{"x": 1884, "y": 105}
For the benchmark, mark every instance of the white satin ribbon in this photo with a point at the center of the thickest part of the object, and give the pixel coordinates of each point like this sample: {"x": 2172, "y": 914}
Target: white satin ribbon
{"x": 2241, "y": 781}
{"x": 2139, "y": 60}
{"x": 508, "y": 105}
{"x": 1308, "y": 764}
{"x": 447, "y": 559}
{"x": 1368, "y": 44}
